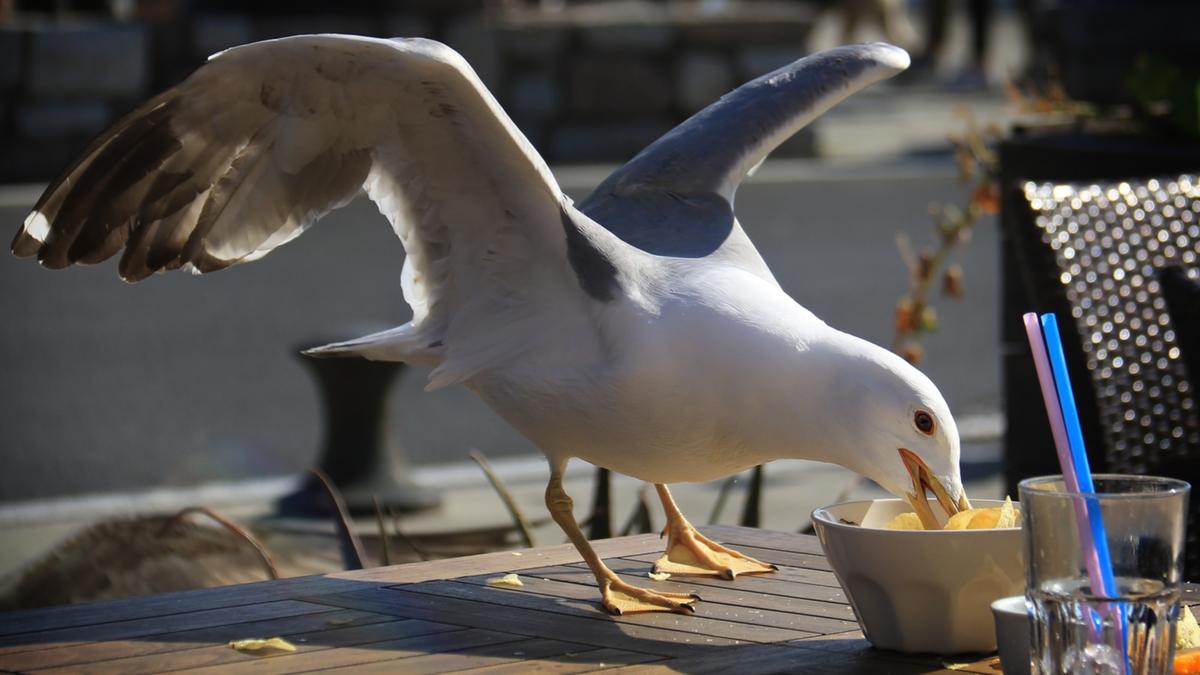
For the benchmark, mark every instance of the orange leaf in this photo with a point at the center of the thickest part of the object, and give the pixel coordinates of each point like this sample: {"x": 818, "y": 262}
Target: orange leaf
{"x": 912, "y": 353}
{"x": 952, "y": 282}
{"x": 986, "y": 198}
{"x": 904, "y": 317}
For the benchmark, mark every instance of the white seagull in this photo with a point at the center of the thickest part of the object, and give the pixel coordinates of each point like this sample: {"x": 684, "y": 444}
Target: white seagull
{"x": 640, "y": 331}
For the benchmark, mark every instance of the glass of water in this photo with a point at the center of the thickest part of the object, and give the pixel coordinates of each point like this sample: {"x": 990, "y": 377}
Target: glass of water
{"x": 1080, "y": 629}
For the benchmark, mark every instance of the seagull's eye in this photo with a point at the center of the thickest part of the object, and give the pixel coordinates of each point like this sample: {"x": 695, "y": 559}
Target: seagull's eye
{"x": 923, "y": 421}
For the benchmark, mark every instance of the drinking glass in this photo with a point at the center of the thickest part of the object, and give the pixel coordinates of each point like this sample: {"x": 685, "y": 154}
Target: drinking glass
{"x": 1076, "y": 628}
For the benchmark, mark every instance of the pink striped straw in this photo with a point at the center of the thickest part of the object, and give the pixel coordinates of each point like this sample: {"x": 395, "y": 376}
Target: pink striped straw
{"x": 1041, "y": 361}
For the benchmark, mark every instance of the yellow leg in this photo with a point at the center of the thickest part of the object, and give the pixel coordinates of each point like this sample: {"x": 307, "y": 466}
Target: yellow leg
{"x": 689, "y": 552}
{"x": 617, "y": 596}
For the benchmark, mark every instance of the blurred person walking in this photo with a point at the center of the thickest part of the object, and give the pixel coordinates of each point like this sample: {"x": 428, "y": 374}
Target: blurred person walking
{"x": 889, "y": 15}
{"x": 937, "y": 18}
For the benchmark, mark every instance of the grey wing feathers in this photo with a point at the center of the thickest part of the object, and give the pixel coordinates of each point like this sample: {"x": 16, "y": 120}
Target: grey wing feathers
{"x": 676, "y": 196}
{"x": 238, "y": 159}
{"x": 263, "y": 140}
{"x": 193, "y": 177}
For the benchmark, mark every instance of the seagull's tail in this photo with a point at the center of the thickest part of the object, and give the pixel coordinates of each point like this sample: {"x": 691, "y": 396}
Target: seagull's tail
{"x": 401, "y": 343}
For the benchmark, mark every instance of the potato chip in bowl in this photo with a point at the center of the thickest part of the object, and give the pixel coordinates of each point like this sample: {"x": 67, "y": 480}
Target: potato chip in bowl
{"x": 1003, "y": 516}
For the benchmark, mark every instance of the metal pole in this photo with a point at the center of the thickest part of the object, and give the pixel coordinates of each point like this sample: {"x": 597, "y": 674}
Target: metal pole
{"x": 359, "y": 453}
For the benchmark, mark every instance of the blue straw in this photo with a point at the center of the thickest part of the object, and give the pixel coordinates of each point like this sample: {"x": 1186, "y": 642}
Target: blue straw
{"x": 1083, "y": 472}
{"x": 1062, "y": 448}
{"x": 1079, "y": 459}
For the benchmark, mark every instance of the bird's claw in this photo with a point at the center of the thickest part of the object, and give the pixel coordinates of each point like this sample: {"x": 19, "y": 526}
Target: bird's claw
{"x": 689, "y": 552}
{"x": 622, "y": 598}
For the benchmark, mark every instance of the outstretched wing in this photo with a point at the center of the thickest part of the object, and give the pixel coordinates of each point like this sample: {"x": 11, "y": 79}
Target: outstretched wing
{"x": 265, "y": 138}
{"x": 675, "y": 198}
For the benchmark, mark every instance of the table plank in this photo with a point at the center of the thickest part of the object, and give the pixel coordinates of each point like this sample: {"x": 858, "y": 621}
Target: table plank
{"x": 787, "y": 572}
{"x": 717, "y": 603}
{"x": 576, "y": 600}
{"x": 866, "y": 665}
{"x": 362, "y": 653}
{"x": 289, "y": 627}
{"x": 83, "y": 614}
{"x": 135, "y": 628}
{"x": 808, "y": 561}
{"x": 854, "y": 654}
{"x": 521, "y": 651}
{"x": 787, "y": 581}
{"x": 792, "y": 542}
{"x": 583, "y": 629}
{"x": 742, "y": 591}
{"x": 219, "y": 654}
{"x": 165, "y": 604}
{"x": 571, "y": 662}
{"x": 501, "y": 561}
{"x": 854, "y": 643}
{"x": 441, "y": 616}
{"x": 781, "y": 548}
{"x": 743, "y": 659}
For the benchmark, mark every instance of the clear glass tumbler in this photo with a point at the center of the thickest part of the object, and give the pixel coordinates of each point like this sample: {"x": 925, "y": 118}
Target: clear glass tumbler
{"x": 1077, "y": 628}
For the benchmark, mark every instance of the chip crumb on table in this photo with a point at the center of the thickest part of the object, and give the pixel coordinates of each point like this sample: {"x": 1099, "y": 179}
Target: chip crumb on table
{"x": 507, "y": 580}
{"x": 262, "y": 645}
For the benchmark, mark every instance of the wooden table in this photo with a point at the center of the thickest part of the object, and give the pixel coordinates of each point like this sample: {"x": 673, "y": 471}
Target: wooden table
{"x": 442, "y": 616}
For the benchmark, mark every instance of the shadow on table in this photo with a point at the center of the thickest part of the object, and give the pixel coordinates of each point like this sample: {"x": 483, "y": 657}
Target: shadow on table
{"x": 432, "y": 625}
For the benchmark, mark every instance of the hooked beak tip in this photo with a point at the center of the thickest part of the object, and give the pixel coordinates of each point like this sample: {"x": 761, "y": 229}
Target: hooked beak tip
{"x": 923, "y": 479}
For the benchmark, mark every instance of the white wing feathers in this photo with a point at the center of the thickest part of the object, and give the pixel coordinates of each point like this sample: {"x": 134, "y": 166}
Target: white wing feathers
{"x": 266, "y": 138}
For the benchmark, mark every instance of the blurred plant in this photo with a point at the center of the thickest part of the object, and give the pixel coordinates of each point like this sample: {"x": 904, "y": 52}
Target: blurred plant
{"x": 385, "y": 548}
{"x": 514, "y": 510}
{"x": 263, "y": 554}
{"x": 1165, "y": 96}
{"x": 599, "y": 523}
{"x": 953, "y": 224}
{"x": 353, "y": 554}
{"x": 1045, "y": 99}
{"x": 639, "y": 521}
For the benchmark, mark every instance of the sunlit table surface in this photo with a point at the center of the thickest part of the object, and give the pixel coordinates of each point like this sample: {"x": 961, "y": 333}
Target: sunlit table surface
{"x": 443, "y": 616}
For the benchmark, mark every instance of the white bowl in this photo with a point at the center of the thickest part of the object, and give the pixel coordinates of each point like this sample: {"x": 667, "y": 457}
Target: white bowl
{"x": 920, "y": 590}
{"x": 1012, "y": 634}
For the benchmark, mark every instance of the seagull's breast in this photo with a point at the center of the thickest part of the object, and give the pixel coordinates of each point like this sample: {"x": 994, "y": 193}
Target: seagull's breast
{"x": 679, "y": 394}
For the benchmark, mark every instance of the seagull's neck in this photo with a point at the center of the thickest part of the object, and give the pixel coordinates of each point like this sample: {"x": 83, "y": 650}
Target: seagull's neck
{"x": 805, "y": 406}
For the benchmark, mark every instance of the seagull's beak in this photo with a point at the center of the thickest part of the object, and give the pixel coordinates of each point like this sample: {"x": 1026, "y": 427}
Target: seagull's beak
{"x": 922, "y": 480}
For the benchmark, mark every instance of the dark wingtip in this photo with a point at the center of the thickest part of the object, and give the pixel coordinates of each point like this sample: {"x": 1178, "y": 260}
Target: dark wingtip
{"x": 24, "y": 246}
{"x": 51, "y": 262}
{"x": 132, "y": 272}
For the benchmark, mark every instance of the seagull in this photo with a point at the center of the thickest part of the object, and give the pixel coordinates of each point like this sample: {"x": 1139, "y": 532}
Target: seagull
{"x": 640, "y": 331}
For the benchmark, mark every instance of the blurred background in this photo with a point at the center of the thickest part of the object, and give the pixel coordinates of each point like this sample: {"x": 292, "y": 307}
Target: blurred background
{"x": 120, "y": 399}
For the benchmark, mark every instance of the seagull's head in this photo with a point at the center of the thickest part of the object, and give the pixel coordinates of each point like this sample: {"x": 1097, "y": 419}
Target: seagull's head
{"x": 897, "y": 430}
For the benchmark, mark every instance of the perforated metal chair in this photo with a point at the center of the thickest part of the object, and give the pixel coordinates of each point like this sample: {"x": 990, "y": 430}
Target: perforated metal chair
{"x": 1086, "y": 240}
